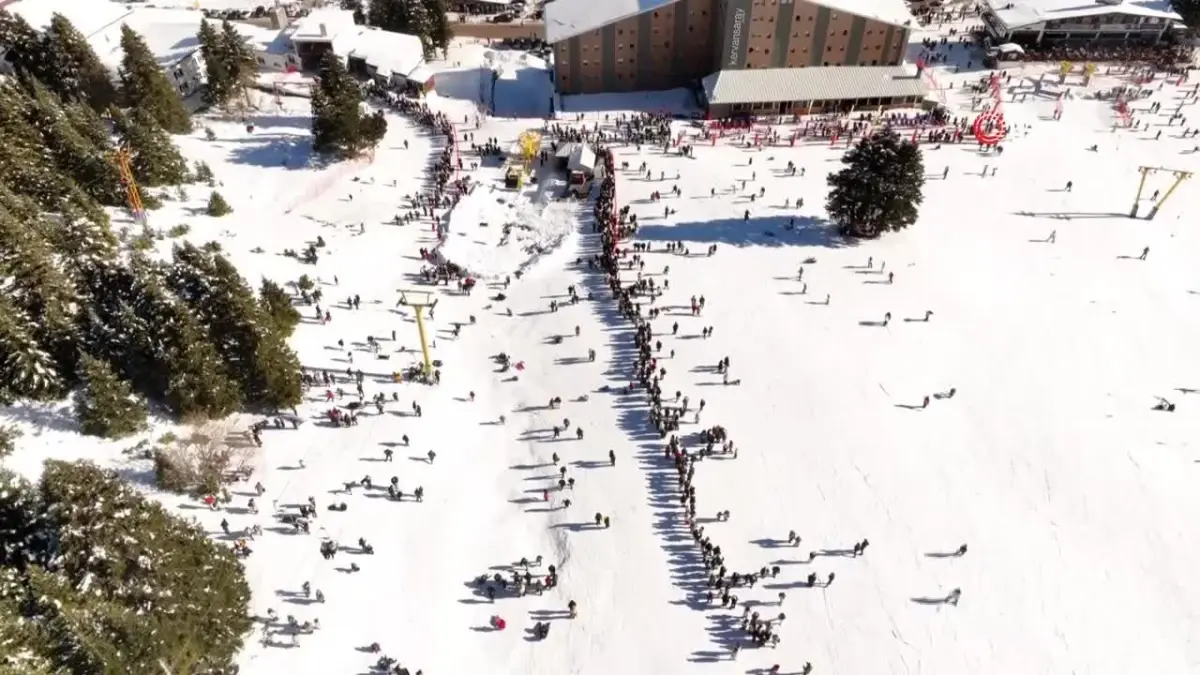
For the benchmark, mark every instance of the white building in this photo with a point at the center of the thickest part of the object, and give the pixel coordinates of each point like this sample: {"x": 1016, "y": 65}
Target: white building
{"x": 392, "y": 59}
{"x": 1034, "y": 22}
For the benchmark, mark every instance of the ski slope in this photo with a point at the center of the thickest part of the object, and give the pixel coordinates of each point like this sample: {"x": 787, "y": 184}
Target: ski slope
{"x": 1074, "y": 497}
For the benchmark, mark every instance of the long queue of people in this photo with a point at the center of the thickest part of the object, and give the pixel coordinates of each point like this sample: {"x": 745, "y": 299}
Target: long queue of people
{"x": 665, "y": 415}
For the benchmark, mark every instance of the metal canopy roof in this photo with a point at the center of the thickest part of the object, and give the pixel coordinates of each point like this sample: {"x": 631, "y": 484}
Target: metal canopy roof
{"x": 828, "y": 83}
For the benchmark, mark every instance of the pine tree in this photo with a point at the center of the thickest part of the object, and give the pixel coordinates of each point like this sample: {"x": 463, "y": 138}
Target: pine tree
{"x": 241, "y": 63}
{"x": 22, "y": 46}
{"x": 219, "y": 83}
{"x": 145, "y": 86}
{"x": 440, "y": 32}
{"x": 340, "y": 128}
{"x": 155, "y": 340}
{"x": 278, "y": 305}
{"x": 111, "y": 582}
{"x": 420, "y": 24}
{"x": 1189, "y": 11}
{"x": 76, "y": 154}
{"x": 217, "y": 206}
{"x": 26, "y": 370}
{"x": 74, "y": 72}
{"x": 36, "y": 285}
{"x": 106, "y": 405}
{"x": 90, "y": 125}
{"x": 356, "y": 7}
{"x": 8, "y": 444}
{"x": 78, "y": 238}
{"x": 880, "y": 188}
{"x": 389, "y": 15}
{"x": 154, "y": 158}
{"x": 246, "y": 338}
{"x": 26, "y": 164}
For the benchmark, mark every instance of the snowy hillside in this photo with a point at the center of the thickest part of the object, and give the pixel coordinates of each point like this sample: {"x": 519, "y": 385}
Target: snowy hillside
{"x": 1073, "y": 496}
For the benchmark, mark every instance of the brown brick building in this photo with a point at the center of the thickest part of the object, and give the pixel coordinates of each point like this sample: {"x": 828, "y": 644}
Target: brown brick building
{"x": 627, "y": 45}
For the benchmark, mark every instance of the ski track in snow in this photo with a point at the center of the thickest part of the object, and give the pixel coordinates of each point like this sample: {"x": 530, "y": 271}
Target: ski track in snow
{"x": 1080, "y": 529}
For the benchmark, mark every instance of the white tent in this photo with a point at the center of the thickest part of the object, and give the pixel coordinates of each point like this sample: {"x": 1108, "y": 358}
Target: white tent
{"x": 582, "y": 159}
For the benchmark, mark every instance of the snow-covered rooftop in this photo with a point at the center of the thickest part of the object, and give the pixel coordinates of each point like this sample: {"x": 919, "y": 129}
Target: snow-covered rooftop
{"x": 568, "y": 18}
{"x": 895, "y": 12}
{"x": 171, "y": 34}
{"x": 831, "y": 83}
{"x": 88, "y": 17}
{"x": 1017, "y": 13}
{"x": 323, "y": 25}
{"x": 264, "y": 39}
{"x": 390, "y": 53}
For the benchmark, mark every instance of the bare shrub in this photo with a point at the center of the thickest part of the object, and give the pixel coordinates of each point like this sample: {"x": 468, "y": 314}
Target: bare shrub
{"x": 198, "y": 465}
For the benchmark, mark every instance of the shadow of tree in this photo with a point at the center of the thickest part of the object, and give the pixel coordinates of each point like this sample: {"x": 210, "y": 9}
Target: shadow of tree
{"x": 769, "y": 231}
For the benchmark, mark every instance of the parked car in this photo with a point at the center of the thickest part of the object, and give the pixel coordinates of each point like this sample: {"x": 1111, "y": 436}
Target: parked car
{"x": 502, "y": 18}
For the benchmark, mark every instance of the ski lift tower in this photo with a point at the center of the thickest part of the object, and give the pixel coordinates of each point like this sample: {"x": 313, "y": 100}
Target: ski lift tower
{"x": 133, "y": 197}
{"x": 1147, "y": 171}
{"x": 418, "y": 301}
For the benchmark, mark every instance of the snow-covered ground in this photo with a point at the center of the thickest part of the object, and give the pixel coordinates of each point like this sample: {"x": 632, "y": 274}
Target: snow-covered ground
{"x": 1072, "y": 494}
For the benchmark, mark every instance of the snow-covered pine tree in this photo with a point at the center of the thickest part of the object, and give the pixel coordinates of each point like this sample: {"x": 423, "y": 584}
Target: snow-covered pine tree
{"x": 420, "y": 24}
{"x": 122, "y": 303}
{"x": 22, "y": 46}
{"x": 185, "y": 369}
{"x": 8, "y": 443}
{"x": 440, "y": 32}
{"x": 26, "y": 164}
{"x": 90, "y": 125}
{"x": 78, "y": 238}
{"x": 24, "y": 653}
{"x": 74, "y": 72}
{"x": 880, "y": 188}
{"x": 372, "y": 128}
{"x": 241, "y": 63}
{"x": 340, "y": 127}
{"x": 35, "y": 284}
{"x": 26, "y": 369}
{"x": 75, "y": 154}
{"x": 257, "y": 355}
{"x": 154, "y": 158}
{"x": 145, "y": 86}
{"x": 217, "y": 206}
{"x": 106, "y": 405}
{"x": 122, "y": 585}
{"x": 219, "y": 86}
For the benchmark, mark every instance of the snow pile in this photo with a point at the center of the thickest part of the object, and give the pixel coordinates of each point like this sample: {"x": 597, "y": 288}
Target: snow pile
{"x": 521, "y": 227}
